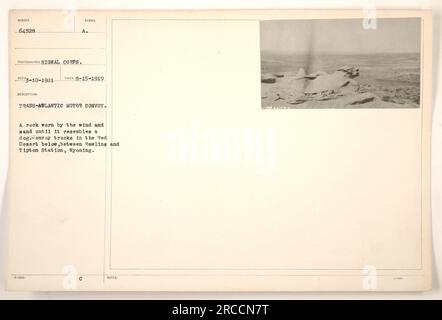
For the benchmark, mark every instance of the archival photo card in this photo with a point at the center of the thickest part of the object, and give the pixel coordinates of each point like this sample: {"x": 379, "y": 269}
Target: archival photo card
{"x": 145, "y": 154}
{"x": 340, "y": 63}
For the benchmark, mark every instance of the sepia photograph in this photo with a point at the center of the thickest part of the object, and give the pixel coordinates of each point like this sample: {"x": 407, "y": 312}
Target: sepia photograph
{"x": 340, "y": 63}
{"x": 140, "y": 163}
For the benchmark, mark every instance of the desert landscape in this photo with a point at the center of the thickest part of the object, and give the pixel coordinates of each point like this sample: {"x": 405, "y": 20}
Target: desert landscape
{"x": 340, "y": 81}
{"x": 340, "y": 64}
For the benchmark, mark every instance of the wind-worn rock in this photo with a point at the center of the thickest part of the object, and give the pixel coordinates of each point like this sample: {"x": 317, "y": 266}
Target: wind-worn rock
{"x": 268, "y": 79}
{"x": 318, "y": 89}
{"x": 352, "y": 72}
{"x": 362, "y": 98}
{"x": 325, "y": 83}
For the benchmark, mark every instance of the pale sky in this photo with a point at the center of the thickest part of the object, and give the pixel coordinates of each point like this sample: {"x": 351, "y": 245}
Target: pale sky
{"x": 341, "y": 36}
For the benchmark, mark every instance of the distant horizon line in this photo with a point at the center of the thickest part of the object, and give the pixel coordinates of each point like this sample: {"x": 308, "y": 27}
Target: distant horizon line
{"x": 349, "y": 53}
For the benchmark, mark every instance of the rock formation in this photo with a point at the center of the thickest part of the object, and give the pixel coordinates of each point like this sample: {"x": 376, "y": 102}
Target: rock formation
{"x": 319, "y": 89}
